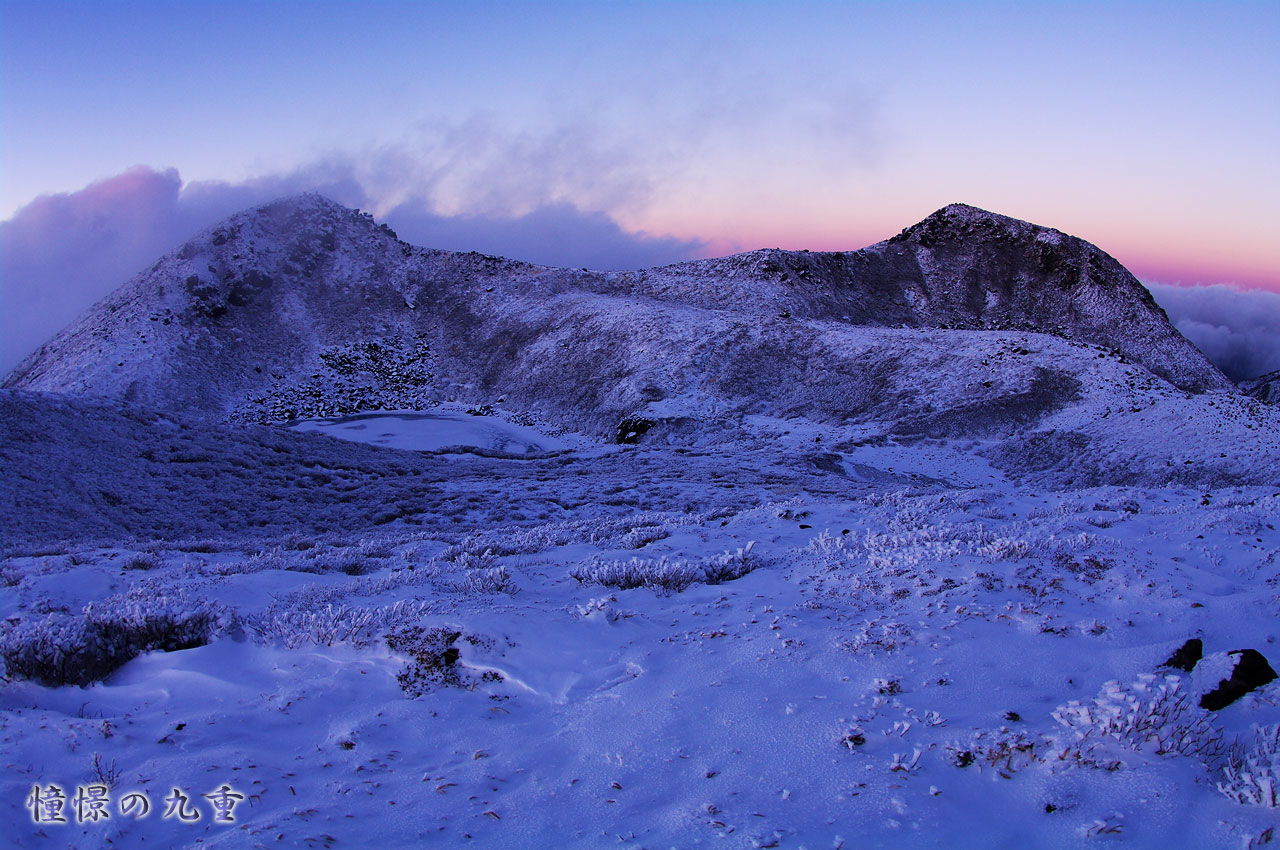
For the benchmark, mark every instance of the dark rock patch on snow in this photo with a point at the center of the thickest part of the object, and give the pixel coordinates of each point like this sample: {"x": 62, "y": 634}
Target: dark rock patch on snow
{"x": 1251, "y": 672}
{"x": 1186, "y": 656}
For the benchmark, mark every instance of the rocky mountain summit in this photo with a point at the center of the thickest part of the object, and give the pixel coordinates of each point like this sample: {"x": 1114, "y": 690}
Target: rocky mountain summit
{"x": 961, "y": 268}
{"x": 303, "y": 307}
{"x": 968, "y": 325}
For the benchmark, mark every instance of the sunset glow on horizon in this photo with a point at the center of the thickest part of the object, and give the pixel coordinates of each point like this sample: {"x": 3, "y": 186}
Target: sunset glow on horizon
{"x": 623, "y": 134}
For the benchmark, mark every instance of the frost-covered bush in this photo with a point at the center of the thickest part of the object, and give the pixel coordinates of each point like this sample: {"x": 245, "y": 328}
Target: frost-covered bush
{"x": 294, "y": 625}
{"x": 728, "y": 566}
{"x": 1006, "y": 751}
{"x": 1154, "y": 713}
{"x": 638, "y": 538}
{"x": 76, "y": 649}
{"x": 661, "y": 574}
{"x": 141, "y": 561}
{"x": 827, "y": 543}
{"x": 434, "y": 657}
{"x": 352, "y": 560}
{"x": 488, "y": 580}
{"x": 1004, "y": 549}
{"x": 664, "y": 574}
{"x": 1253, "y": 774}
{"x": 472, "y": 561}
{"x": 630, "y": 532}
{"x": 316, "y": 596}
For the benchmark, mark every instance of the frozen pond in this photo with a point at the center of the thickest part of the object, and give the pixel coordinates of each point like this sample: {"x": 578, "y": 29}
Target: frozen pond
{"x": 436, "y": 430}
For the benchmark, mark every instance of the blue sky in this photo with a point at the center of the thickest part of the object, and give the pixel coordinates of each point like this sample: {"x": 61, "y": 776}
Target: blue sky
{"x": 1148, "y": 128}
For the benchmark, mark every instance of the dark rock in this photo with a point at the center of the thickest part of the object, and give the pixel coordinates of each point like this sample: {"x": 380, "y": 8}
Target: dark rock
{"x": 1187, "y": 656}
{"x": 1251, "y": 672}
{"x": 631, "y": 430}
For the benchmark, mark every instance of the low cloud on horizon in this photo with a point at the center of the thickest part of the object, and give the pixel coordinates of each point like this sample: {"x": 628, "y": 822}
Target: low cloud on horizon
{"x": 62, "y": 253}
{"x": 1237, "y": 329}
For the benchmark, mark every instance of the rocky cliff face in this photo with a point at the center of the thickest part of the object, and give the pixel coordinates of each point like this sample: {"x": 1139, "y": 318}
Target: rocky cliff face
{"x": 961, "y": 268}
{"x": 303, "y": 307}
{"x": 1265, "y": 388}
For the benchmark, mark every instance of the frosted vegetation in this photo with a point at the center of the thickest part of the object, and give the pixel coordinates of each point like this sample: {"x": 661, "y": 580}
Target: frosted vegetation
{"x": 777, "y": 550}
{"x": 755, "y": 647}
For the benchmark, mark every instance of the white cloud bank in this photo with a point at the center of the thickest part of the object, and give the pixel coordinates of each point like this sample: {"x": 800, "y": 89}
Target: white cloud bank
{"x": 1237, "y": 329}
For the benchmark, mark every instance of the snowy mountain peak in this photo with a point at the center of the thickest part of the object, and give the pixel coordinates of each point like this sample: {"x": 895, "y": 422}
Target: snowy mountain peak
{"x": 963, "y": 222}
{"x": 303, "y": 307}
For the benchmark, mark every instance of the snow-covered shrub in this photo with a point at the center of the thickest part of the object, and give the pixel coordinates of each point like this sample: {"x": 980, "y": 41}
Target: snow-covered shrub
{"x": 379, "y": 549}
{"x": 662, "y": 574}
{"x": 315, "y": 596}
{"x": 76, "y": 649}
{"x": 270, "y": 559}
{"x": 1253, "y": 774}
{"x": 434, "y": 659}
{"x": 141, "y": 561}
{"x": 488, "y": 580}
{"x": 203, "y": 545}
{"x": 1006, "y": 751}
{"x": 904, "y": 513}
{"x": 638, "y": 538}
{"x": 911, "y": 550}
{"x": 601, "y": 606}
{"x": 728, "y": 566}
{"x": 295, "y": 625}
{"x": 473, "y": 562}
{"x": 229, "y": 568}
{"x": 667, "y": 575}
{"x": 1154, "y": 713}
{"x": 299, "y": 542}
{"x": 629, "y": 532}
{"x": 351, "y": 560}
{"x": 1004, "y": 549}
{"x": 827, "y": 543}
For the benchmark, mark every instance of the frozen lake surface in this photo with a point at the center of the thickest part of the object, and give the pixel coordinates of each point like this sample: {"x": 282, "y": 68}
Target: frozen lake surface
{"x": 437, "y": 430}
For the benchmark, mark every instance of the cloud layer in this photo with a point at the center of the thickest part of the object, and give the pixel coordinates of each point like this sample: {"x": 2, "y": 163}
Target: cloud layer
{"x": 1238, "y": 330}
{"x": 61, "y": 253}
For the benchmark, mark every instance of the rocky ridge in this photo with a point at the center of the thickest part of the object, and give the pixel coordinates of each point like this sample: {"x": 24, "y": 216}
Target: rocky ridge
{"x": 966, "y": 324}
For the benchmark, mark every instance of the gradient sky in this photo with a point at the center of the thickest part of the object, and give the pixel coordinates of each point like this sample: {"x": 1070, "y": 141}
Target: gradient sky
{"x": 1151, "y": 129}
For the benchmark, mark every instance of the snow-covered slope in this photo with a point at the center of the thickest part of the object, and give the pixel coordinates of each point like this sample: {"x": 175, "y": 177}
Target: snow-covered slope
{"x": 961, "y": 267}
{"x": 882, "y": 549}
{"x": 1264, "y": 387}
{"x": 305, "y": 308}
{"x": 641, "y": 646}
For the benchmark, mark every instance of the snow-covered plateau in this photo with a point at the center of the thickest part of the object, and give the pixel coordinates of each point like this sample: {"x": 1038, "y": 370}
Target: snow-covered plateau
{"x": 313, "y": 538}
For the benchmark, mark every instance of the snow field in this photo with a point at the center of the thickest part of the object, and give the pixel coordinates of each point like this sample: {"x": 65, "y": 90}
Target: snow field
{"x": 823, "y": 699}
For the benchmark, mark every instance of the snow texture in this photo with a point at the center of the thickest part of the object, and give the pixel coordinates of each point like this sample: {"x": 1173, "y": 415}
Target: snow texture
{"x": 636, "y": 559}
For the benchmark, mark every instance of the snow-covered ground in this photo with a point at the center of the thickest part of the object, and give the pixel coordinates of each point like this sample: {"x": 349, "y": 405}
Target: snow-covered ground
{"x": 905, "y": 541}
{"x": 895, "y": 665}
